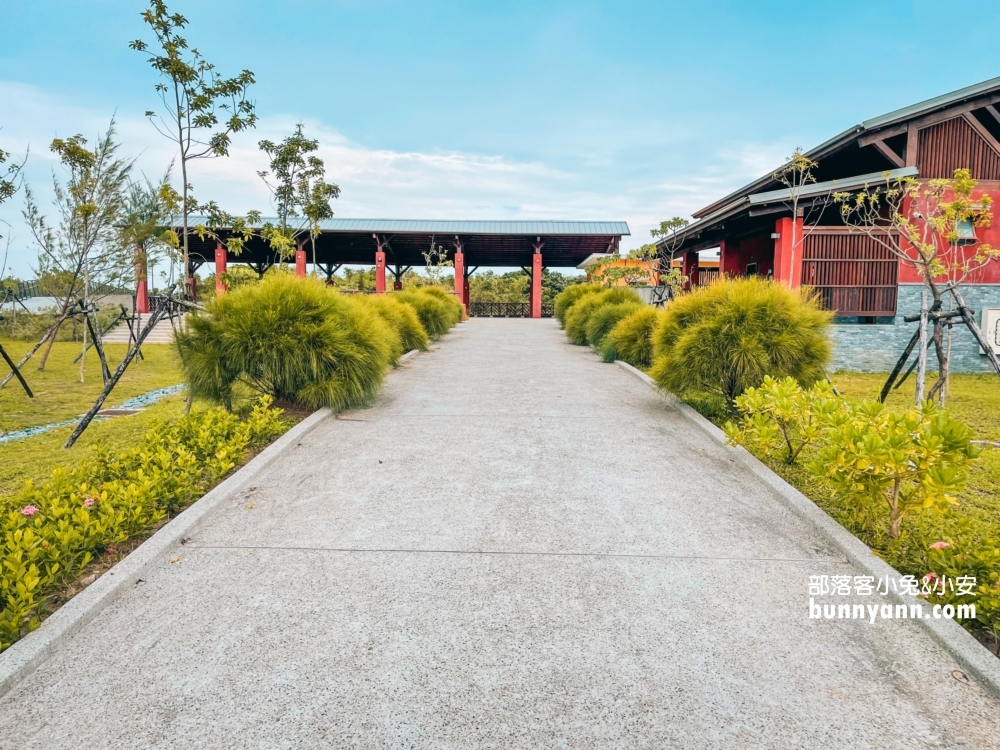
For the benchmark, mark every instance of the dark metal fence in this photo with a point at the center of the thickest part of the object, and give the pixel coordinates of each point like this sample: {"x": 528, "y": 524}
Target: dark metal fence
{"x": 505, "y": 310}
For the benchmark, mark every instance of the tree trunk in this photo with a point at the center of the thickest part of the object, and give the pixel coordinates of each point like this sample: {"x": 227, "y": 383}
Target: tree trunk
{"x": 55, "y": 332}
{"x": 188, "y": 283}
{"x": 922, "y": 352}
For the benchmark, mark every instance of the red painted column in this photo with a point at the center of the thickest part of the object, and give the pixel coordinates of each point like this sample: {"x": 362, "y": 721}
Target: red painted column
{"x": 380, "y": 272}
{"x": 788, "y": 251}
{"x": 536, "y": 284}
{"x": 300, "y": 261}
{"x": 460, "y": 277}
{"x": 690, "y": 268}
{"x": 220, "y": 270}
{"x": 141, "y": 282}
{"x": 465, "y": 295}
{"x": 397, "y": 285}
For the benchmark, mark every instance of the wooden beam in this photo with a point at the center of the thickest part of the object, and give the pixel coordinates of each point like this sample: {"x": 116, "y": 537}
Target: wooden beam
{"x": 983, "y": 132}
{"x": 993, "y": 111}
{"x": 912, "y": 141}
{"x": 888, "y": 153}
{"x": 881, "y": 135}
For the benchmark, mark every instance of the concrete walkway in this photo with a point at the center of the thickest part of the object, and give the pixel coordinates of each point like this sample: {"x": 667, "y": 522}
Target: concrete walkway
{"x": 519, "y": 547}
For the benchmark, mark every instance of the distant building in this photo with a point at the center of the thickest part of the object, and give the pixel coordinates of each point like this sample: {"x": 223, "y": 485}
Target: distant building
{"x": 867, "y": 287}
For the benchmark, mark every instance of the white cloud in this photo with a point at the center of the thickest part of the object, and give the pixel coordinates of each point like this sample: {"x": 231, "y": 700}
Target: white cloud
{"x": 379, "y": 182}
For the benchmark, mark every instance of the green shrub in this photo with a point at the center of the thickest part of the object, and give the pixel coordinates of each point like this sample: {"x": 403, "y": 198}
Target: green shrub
{"x": 457, "y": 311}
{"x": 782, "y": 417}
{"x": 401, "y": 318}
{"x": 579, "y": 314}
{"x": 296, "y": 340}
{"x": 907, "y": 460}
{"x": 631, "y": 340}
{"x": 605, "y": 318}
{"x": 726, "y": 337}
{"x": 881, "y": 469}
{"x": 52, "y": 531}
{"x": 569, "y": 297}
{"x": 437, "y": 315}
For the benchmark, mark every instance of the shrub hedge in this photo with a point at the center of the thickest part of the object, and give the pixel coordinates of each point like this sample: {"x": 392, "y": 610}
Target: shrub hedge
{"x": 52, "y": 531}
{"x": 579, "y": 313}
{"x": 300, "y": 341}
{"x": 437, "y": 312}
{"x": 569, "y": 297}
{"x": 605, "y": 318}
{"x": 724, "y": 338}
{"x": 402, "y": 320}
{"x": 631, "y": 340}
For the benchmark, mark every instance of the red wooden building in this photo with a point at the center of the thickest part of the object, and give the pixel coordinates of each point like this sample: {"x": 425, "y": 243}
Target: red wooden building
{"x": 868, "y": 287}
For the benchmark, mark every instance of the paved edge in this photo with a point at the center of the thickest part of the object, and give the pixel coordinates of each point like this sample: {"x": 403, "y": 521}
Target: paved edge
{"x": 966, "y": 650}
{"x": 21, "y": 659}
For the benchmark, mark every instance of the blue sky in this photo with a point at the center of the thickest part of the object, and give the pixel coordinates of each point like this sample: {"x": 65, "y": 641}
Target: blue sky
{"x": 589, "y": 110}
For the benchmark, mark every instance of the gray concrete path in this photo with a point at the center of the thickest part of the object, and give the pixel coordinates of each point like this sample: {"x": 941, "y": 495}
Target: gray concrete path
{"x": 518, "y": 547}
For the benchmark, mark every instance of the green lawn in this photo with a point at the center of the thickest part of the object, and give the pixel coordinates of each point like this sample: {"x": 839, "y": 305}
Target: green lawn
{"x": 35, "y": 457}
{"x": 59, "y": 394}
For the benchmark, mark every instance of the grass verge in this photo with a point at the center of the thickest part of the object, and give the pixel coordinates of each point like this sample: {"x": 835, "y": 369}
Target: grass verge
{"x": 59, "y": 394}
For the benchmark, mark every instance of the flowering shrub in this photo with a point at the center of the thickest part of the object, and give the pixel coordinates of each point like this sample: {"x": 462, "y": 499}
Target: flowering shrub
{"x": 50, "y": 532}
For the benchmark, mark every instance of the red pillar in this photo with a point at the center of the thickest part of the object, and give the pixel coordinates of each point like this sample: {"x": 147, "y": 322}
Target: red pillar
{"x": 380, "y": 272}
{"x": 690, "y": 268}
{"x": 536, "y": 284}
{"x": 788, "y": 251}
{"x": 300, "y": 262}
{"x": 397, "y": 285}
{"x": 220, "y": 270}
{"x": 460, "y": 277}
{"x": 729, "y": 259}
{"x": 141, "y": 282}
{"x": 465, "y": 287}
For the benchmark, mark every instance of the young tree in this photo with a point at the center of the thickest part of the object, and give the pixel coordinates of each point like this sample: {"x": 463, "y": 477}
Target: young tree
{"x": 299, "y": 190}
{"x": 202, "y": 110}
{"x": 797, "y": 174}
{"x": 436, "y": 259}
{"x": 667, "y": 240}
{"x": 930, "y": 226}
{"x": 634, "y": 268}
{"x": 82, "y": 246}
{"x": 9, "y": 177}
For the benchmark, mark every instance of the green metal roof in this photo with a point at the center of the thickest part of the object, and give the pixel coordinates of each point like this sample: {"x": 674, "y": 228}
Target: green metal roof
{"x": 445, "y": 227}
{"x": 874, "y": 123}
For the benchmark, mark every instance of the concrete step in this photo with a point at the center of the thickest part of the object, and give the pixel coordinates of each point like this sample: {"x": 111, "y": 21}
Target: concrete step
{"x": 163, "y": 333}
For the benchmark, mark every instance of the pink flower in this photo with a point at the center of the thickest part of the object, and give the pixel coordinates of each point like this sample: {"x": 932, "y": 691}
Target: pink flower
{"x": 88, "y": 502}
{"x": 930, "y": 578}
{"x": 940, "y": 545}
{"x": 29, "y": 510}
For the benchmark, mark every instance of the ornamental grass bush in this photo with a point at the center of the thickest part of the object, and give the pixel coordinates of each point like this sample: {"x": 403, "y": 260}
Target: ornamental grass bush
{"x": 721, "y": 339}
{"x": 456, "y": 310}
{"x": 605, "y": 318}
{"x": 569, "y": 297}
{"x": 436, "y": 314}
{"x": 296, "y": 340}
{"x": 631, "y": 340}
{"x": 401, "y": 318}
{"x": 579, "y": 314}
{"x": 51, "y": 531}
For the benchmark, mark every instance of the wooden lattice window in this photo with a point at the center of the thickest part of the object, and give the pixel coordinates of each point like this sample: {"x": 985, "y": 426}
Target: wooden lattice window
{"x": 853, "y": 274}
